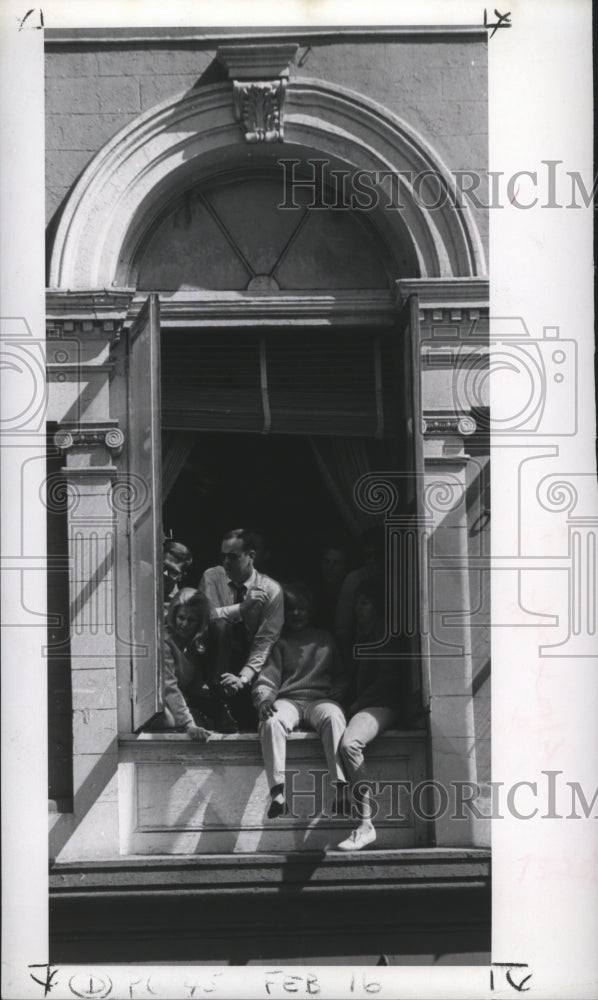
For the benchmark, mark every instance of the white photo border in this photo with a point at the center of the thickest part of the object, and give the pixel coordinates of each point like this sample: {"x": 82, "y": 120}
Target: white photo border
{"x": 545, "y": 871}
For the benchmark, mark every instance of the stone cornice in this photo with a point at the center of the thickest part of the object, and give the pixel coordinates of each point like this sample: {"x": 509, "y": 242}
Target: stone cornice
{"x": 249, "y": 309}
{"x": 88, "y": 313}
{"x": 58, "y": 38}
{"x": 445, "y": 293}
{"x": 103, "y": 303}
{"x": 255, "y": 61}
{"x": 104, "y": 313}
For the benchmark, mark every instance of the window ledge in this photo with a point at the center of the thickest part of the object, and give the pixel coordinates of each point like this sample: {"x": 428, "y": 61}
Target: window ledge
{"x": 134, "y": 739}
{"x": 231, "y": 749}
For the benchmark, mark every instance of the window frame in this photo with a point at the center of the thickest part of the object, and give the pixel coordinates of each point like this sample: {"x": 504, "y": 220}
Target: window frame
{"x": 375, "y": 310}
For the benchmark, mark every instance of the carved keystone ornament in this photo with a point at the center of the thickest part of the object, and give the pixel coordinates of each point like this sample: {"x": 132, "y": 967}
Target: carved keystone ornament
{"x": 259, "y": 74}
{"x": 259, "y": 106}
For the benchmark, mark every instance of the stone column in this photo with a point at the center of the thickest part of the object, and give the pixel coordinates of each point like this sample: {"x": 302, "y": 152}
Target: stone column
{"x": 82, "y": 330}
{"x": 92, "y": 830}
{"x": 452, "y": 729}
{"x": 451, "y": 339}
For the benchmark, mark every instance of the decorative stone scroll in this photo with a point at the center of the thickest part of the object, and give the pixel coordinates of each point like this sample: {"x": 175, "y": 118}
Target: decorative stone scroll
{"x": 88, "y": 435}
{"x": 462, "y": 424}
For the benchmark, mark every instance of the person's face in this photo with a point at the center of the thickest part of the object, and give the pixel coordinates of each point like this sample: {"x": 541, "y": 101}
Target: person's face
{"x": 365, "y": 612}
{"x": 173, "y": 574}
{"x": 334, "y": 566}
{"x": 237, "y": 563}
{"x": 296, "y": 613}
{"x": 186, "y": 622}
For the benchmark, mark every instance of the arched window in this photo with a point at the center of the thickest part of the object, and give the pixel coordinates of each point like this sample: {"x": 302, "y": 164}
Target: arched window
{"x": 233, "y": 235}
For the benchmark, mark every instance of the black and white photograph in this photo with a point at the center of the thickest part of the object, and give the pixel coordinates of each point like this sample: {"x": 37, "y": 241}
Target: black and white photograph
{"x": 299, "y": 466}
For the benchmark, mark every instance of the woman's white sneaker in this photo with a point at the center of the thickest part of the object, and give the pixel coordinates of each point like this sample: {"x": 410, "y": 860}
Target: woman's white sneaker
{"x": 357, "y": 840}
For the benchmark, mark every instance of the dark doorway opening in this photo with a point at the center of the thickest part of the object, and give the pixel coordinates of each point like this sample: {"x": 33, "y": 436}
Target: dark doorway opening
{"x": 267, "y": 483}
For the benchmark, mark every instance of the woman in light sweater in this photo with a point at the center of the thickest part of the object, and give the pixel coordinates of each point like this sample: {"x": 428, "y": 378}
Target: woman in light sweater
{"x": 300, "y": 683}
{"x": 183, "y": 684}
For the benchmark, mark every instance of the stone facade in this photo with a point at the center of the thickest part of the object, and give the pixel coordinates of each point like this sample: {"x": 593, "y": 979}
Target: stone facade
{"x": 348, "y": 97}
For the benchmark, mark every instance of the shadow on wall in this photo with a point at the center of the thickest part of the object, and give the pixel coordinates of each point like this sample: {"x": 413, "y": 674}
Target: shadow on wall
{"x": 86, "y": 797}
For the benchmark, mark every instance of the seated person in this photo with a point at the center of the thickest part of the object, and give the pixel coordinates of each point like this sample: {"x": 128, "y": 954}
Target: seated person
{"x": 186, "y": 695}
{"x": 375, "y": 707}
{"x": 176, "y": 563}
{"x": 246, "y": 620}
{"x": 299, "y": 684}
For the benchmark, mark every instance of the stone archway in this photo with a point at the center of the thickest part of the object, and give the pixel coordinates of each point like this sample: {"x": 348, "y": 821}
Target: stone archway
{"x": 192, "y": 135}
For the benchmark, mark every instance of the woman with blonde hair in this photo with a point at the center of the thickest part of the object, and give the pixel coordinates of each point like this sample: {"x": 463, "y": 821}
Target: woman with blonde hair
{"x": 185, "y": 690}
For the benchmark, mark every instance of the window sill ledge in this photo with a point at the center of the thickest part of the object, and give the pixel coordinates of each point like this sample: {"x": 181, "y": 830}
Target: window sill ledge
{"x": 134, "y": 739}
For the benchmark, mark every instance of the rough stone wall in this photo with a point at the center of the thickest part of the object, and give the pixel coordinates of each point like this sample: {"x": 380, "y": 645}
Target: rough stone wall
{"x": 92, "y": 93}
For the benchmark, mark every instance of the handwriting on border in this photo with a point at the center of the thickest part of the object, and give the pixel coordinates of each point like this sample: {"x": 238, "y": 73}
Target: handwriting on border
{"x": 47, "y": 983}
{"x": 504, "y": 21}
{"x": 512, "y": 974}
{"x": 31, "y": 24}
{"x": 96, "y": 984}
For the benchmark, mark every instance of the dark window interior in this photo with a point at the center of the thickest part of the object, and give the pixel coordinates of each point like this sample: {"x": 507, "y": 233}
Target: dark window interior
{"x": 269, "y": 483}
{"x": 269, "y": 429}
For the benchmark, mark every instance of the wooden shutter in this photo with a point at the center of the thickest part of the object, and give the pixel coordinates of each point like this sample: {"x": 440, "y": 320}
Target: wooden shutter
{"x": 145, "y": 520}
{"x": 414, "y": 537}
{"x": 406, "y": 634}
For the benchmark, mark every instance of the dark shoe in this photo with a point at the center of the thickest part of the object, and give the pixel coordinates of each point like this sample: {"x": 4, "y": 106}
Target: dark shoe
{"x": 277, "y": 808}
